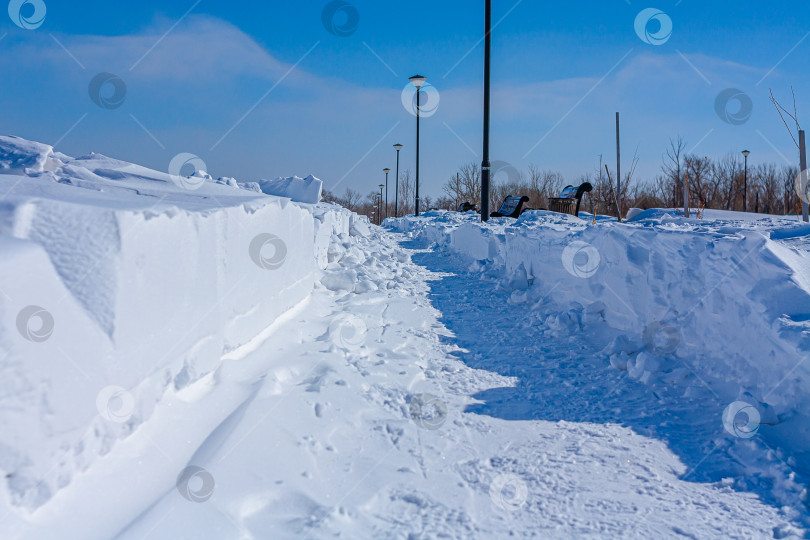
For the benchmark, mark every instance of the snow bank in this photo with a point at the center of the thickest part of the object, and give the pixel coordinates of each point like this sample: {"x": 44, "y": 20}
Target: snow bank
{"x": 18, "y": 156}
{"x": 123, "y": 289}
{"x": 304, "y": 190}
{"x": 720, "y": 302}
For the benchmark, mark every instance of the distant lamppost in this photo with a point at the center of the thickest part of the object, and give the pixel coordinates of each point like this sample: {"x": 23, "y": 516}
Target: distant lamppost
{"x": 397, "y": 147}
{"x": 379, "y": 205}
{"x": 417, "y": 81}
{"x": 386, "y": 171}
{"x": 745, "y": 154}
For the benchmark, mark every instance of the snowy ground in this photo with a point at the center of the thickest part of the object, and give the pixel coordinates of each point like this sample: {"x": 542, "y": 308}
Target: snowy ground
{"x": 540, "y": 438}
{"x": 438, "y": 379}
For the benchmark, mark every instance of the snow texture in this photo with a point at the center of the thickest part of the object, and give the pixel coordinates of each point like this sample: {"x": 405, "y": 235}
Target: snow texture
{"x": 303, "y": 190}
{"x": 192, "y": 358}
{"x": 139, "y": 282}
{"x": 722, "y": 303}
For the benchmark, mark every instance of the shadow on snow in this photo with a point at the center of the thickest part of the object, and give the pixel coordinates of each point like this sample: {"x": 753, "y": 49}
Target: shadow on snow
{"x": 564, "y": 378}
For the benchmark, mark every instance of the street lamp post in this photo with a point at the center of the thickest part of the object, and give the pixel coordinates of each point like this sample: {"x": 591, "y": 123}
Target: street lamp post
{"x": 379, "y": 205}
{"x": 397, "y": 147}
{"x": 417, "y": 81}
{"x": 386, "y": 171}
{"x": 745, "y": 154}
{"x": 485, "y": 165}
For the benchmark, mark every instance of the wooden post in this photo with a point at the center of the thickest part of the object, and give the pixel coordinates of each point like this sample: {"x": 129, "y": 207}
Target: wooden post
{"x": 802, "y": 168}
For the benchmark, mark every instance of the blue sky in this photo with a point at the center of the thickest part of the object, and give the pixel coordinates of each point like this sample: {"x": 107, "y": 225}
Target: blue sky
{"x": 561, "y": 71}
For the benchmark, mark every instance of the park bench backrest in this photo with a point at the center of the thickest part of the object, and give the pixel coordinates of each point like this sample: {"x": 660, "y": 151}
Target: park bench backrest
{"x": 509, "y": 206}
{"x": 512, "y": 207}
{"x": 570, "y": 199}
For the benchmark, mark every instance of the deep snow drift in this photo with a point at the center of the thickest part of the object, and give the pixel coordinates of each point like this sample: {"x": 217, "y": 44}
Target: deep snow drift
{"x": 123, "y": 291}
{"x": 722, "y": 302}
{"x": 190, "y": 357}
{"x": 411, "y": 400}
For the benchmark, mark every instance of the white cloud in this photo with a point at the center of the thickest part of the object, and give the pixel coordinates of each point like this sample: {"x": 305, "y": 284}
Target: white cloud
{"x": 197, "y": 82}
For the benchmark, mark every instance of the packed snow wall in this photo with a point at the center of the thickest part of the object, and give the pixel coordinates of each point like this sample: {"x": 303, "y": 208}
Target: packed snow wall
{"x": 717, "y": 302}
{"x": 120, "y": 286}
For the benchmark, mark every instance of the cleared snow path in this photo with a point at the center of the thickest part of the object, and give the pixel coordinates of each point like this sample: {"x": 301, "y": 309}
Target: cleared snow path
{"x": 423, "y": 405}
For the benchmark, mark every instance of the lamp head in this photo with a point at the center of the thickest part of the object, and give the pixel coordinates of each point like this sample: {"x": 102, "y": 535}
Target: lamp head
{"x": 398, "y": 147}
{"x": 381, "y": 186}
{"x": 746, "y": 153}
{"x": 418, "y": 80}
{"x": 386, "y": 170}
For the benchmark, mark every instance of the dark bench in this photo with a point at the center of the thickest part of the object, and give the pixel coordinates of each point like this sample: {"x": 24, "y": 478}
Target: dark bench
{"x": 467, "y": 207}
{"x": 511, "y": 207}
{"x": 570, "y": 199}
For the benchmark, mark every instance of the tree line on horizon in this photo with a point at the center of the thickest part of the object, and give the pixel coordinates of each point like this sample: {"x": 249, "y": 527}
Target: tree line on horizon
{"x": 713, "y": 183}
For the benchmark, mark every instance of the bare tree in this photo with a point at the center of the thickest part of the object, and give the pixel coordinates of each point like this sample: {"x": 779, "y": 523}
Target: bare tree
{"x": 406, "y": 193}
{"x": 454, "y": 189}
{"x": 713, "y": 184}
{"x": 445, "y": 203}
{"x": 673, "y": 167}
{"x": 543, "y": 185}
{"x": 698, "y": 177}
{"x": 788, "y": 176}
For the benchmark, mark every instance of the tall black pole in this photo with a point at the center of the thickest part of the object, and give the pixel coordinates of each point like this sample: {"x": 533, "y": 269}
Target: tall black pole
{"x": 418, "y": 106}
{"x": 745, "y": 187}
{"x": 618, "y": 169}
{"x": 802, "y": 168}
{"x": 386, "y": 192}
{"x": 396, "y": 187}
{"x": 485, "y": 165}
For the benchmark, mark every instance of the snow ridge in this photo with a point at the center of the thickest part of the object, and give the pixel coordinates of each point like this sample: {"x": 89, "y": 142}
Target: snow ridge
{"x": 719, "y": 303}
{"x": 122, "y": 290}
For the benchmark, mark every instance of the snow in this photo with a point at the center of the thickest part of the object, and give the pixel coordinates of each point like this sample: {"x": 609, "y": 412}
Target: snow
{"x": 721, "y": 302}
{"x": 303, "y": 190}
{"x": 148, "y": 286}
{"x": 18, "y": 156}
{"x": 193, "y": 358}
{"x": 383, "y": 416}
